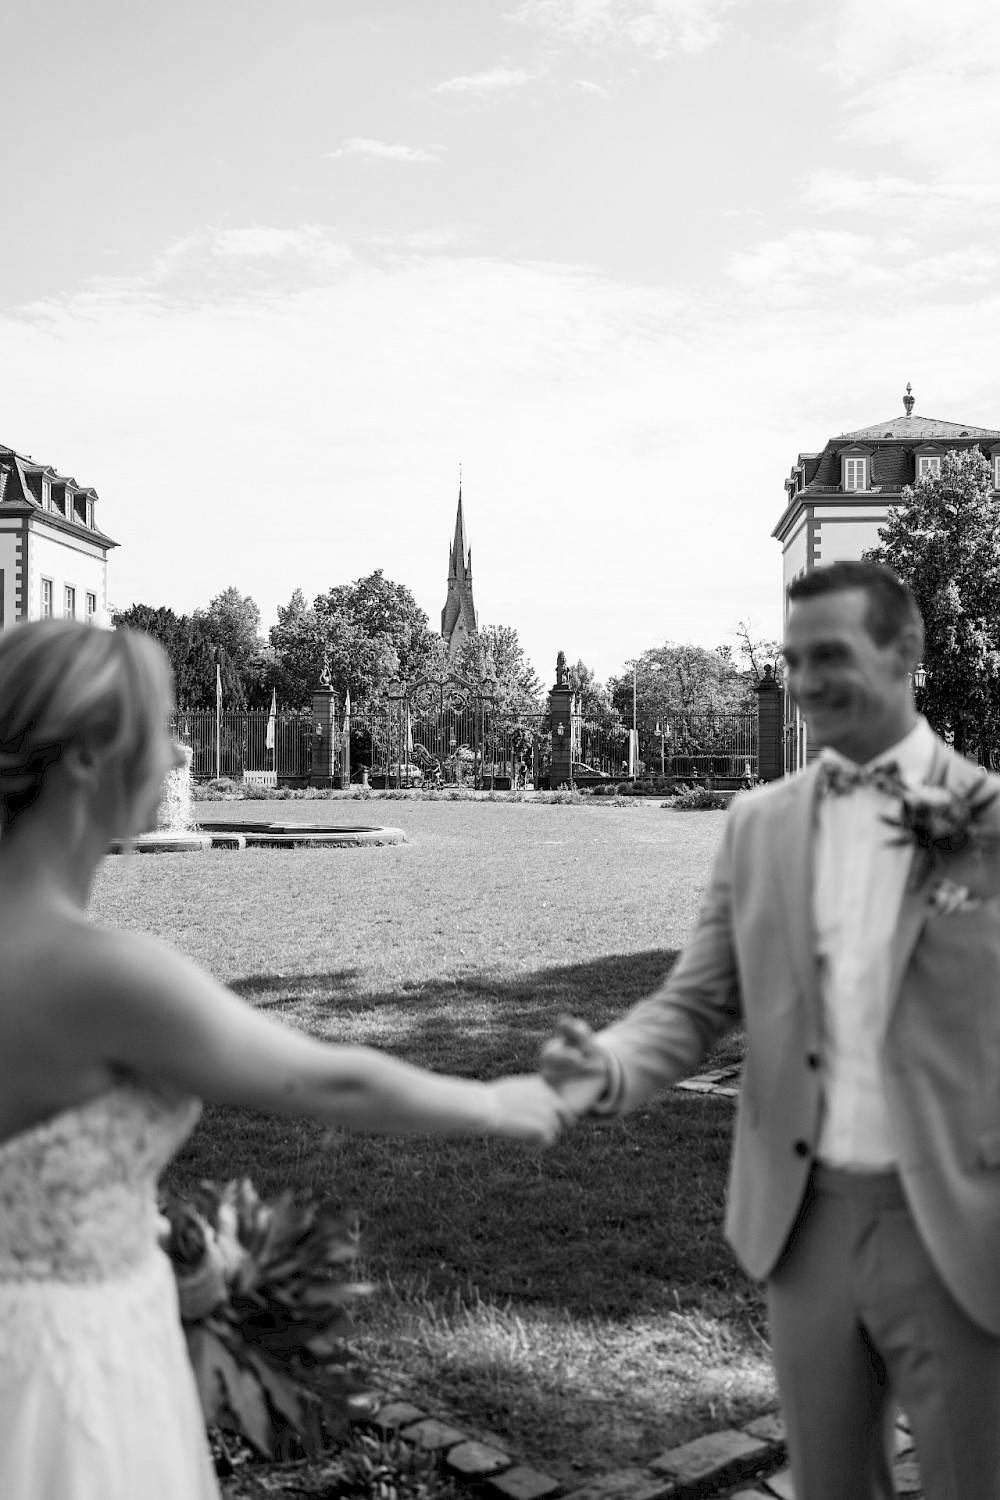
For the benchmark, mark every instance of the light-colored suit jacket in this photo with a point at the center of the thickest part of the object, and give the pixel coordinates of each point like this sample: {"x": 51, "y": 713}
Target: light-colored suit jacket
{"x": 753, "y": 955}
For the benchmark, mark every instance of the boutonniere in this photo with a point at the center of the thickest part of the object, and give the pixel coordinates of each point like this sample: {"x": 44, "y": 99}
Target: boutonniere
{"x": 947, "y": 896}
{"x": 938, "y": 822}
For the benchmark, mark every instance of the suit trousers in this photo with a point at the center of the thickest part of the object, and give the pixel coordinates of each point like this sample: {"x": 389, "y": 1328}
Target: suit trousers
{"x": 861, "y": 1320}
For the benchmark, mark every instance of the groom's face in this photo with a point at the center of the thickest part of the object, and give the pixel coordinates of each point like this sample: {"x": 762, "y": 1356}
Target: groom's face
{"x": 853, "y": 693}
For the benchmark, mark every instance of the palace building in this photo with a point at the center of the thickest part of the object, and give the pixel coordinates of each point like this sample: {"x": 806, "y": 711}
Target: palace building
{"x": 459, "y": 621}
{"x": 53, "y": 556}
{"x": 837, "y": 498}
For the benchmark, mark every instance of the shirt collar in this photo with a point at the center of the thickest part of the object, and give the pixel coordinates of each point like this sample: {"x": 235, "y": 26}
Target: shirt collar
{"x": 914, "y": 754}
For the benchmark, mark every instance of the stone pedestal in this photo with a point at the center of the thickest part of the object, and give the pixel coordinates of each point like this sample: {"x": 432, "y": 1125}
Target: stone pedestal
{"x": 326, "y": 747}
{"x": 561, "y": 724}
{"x": 770, "y": 727}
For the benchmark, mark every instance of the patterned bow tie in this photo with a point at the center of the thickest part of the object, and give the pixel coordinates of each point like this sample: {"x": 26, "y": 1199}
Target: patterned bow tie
{"x": 838, "y": 780}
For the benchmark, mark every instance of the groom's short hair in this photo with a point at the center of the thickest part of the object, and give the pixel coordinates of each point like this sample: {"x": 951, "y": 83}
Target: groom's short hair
{"x": 892, "y": 607}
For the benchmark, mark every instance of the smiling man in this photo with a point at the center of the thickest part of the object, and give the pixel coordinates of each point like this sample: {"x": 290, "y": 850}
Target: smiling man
{"x": 864, "y": 961}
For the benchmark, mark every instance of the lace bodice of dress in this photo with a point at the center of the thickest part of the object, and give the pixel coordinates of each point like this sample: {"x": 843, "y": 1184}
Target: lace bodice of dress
{"x": 78, "y": 1192}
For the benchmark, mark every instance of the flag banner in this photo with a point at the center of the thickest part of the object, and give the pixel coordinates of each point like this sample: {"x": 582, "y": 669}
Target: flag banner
{"x": 218, "y": 685}
{"x": 271, "y": 721}
{"x": 633, "y": 752}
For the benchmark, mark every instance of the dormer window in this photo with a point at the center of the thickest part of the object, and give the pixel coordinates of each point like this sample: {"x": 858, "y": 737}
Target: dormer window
{"x": 928, "y": 466}
{"x": 996, "y": 471}
{"x": 90, "y": 514}
{"x": 855, "y": 473}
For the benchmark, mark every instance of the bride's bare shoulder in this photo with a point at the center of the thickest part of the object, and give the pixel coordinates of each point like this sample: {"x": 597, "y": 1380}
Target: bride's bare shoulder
{"x": 61, "y": 964}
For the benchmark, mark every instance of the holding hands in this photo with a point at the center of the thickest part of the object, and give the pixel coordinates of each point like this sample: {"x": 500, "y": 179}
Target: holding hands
{"x": 574, "y": 1063}
{"x": 538, "y": 1107}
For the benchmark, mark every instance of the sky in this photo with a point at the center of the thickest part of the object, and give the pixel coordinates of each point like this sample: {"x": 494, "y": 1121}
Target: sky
{"x": 272, "y": 274}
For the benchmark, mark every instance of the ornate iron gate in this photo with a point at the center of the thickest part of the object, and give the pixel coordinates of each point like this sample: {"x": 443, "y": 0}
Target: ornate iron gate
{"x": 444, "y": 729}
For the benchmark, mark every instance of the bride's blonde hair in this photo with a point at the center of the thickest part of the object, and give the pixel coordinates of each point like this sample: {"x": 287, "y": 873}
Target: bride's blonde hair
{"x": 62, "y": 681}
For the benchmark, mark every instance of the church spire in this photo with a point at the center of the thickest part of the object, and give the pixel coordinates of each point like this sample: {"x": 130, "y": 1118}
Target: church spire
{"x": 458, "y": 618}
{"x": 460, "y": 561}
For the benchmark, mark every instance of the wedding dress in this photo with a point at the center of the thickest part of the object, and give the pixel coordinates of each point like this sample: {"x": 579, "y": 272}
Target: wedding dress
{"x": 97, "y": 1397}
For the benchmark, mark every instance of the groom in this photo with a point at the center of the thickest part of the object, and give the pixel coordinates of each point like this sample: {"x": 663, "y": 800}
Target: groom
{"x": 865, "y": 1178}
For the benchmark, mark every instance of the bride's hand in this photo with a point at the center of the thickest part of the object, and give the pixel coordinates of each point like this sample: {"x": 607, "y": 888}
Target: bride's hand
{"x": 529, "y": 1110}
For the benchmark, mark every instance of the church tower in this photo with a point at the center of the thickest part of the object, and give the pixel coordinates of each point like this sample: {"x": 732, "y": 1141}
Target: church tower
{"x": 459, "y": 621}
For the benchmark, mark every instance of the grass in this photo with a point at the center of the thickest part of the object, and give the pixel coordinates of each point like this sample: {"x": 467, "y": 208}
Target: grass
{"x": 581, "y": 1303}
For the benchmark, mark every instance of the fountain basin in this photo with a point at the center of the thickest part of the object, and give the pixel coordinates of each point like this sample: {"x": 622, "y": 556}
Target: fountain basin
{"x": 303, "y": 835}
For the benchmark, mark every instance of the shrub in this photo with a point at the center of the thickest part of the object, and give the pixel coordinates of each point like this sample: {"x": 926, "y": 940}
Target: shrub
{"x": 699, "y": 799}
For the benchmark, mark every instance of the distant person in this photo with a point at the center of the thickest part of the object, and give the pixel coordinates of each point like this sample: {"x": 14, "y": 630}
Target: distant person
{"x": 864, "y": 960}
{"x": 107, "y": 1041}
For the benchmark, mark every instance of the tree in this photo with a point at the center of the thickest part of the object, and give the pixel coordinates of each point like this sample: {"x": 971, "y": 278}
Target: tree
{"x": 593, "y": 696}
{"x": 224, "y": 636}
{"x": 497, "y": 650}
{"x": 755, "y": 654}
{"x": 944, "y": 540}
{"x": 367, "y": 632}
{"x": 177, "y": 636}
{"x": 680, "y": 679}
{"x": 230, "y": 627}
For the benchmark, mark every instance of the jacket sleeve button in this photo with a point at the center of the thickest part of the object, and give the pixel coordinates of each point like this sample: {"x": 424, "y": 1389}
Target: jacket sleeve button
{"x": 812, "y": 1058}
{"x": 801, "y": 1148}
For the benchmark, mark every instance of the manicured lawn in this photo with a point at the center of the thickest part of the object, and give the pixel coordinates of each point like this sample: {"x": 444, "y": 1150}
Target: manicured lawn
{"x": 580, "y": 1301}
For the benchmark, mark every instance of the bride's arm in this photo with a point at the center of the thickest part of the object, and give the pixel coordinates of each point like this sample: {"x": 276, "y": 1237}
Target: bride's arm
{"x": 140, "y": 1006}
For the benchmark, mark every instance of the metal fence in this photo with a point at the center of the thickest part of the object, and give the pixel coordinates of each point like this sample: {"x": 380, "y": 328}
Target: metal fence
{"x": 472, "y": 745}
{"x": 475, "y": 743}
{"x": 695, "y": 745}
{"x": 242, "y": 744}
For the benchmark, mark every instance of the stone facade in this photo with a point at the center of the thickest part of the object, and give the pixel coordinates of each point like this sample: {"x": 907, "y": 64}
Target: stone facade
{"x": 837, "y": 499}
{"x": 53, "y": 557}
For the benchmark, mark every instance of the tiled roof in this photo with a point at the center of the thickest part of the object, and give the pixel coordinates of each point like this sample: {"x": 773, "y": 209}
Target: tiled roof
{"x": 26, "y": 465}
{"x": 916, "y": 429}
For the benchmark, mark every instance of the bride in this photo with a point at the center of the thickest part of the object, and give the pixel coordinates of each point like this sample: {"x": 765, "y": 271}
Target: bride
{"x": 107, "y": 1041}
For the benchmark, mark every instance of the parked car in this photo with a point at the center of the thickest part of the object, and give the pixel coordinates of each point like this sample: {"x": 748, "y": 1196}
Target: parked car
{"x": 583, "y": 772}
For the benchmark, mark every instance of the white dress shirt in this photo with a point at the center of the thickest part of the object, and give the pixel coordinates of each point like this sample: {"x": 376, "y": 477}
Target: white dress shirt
{"x": 859, "y": 880}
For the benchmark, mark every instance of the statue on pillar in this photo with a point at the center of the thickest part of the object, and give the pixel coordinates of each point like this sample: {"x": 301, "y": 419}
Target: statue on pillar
{"x": 561, "y": 672}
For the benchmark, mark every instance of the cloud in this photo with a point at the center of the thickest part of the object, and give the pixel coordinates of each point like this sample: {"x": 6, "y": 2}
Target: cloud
{"x": 809, "y": 266}
{"x": 923, "y": 82}
{"x": 318, "y": 396}
{"x": 593, "y": 88}
{"x": 925, "y": 201}
{"x": 661, "y": 28}
{"x": 359, "y": 145}
{"x": 493, "y": 81}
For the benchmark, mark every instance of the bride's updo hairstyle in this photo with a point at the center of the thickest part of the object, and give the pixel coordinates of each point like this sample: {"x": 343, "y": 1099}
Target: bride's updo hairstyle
{"x": 62, "y": 681}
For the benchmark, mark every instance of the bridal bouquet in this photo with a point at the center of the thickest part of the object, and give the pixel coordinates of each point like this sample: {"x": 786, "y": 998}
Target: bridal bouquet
{"x": 264, "y": 1301}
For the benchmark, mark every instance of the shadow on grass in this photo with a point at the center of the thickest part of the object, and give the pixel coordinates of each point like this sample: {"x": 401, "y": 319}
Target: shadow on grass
{"x": 469, "y": 1022}
{"x": 616, "y": 1221}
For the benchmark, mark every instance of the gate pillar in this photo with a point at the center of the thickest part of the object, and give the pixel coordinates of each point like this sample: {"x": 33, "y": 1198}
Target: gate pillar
{"x": 770, "y": 727}
{"x": 327, "y": 746}
{"x": 561, "y": 723}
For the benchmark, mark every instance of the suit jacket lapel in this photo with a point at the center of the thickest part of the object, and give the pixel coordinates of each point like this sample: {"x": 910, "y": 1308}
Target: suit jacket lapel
{"x": 915, "y": 908}
{"x": 797, "y": 843}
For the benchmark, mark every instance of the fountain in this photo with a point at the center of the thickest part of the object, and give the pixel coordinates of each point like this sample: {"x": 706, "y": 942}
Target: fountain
{"x": 175, "y": 827}
{"x": 177, "y": 830}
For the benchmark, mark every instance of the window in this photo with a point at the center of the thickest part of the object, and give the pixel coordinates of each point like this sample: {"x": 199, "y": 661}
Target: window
{"x": 91, "y": 608}
{"x": 996, "y": 471}
{"x": 69, "y": 605}
{"x": 46, "y": 598}
{"x": 90, "y": 514}
{"x": 928, "y": 466}
{"x": 854, "y": 474}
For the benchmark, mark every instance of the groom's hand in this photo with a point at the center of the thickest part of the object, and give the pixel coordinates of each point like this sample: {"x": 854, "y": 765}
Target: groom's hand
{"x": 573, "y": 1063}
